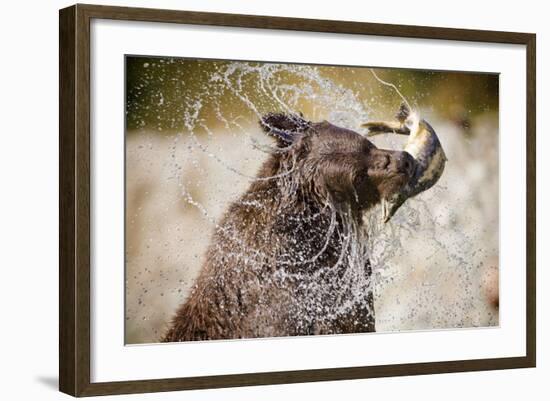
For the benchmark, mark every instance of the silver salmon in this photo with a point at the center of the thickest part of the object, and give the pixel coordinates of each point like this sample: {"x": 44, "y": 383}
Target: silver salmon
{"x": 423, "y": 145}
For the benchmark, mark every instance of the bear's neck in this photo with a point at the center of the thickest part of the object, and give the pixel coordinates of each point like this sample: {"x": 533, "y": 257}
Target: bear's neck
{"x": 281, "y": 187}
{"x": 295, "y": 229}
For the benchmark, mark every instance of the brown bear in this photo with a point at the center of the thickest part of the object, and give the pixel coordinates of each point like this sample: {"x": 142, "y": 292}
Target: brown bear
{"x": 289, "y": 257}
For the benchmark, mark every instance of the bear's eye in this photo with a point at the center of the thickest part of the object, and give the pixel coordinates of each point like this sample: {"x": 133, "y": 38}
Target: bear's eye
{"x": 380, "y": 161}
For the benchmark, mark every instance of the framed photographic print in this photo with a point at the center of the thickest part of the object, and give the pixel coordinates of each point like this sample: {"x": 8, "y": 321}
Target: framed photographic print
{"x": 250, "y": 200}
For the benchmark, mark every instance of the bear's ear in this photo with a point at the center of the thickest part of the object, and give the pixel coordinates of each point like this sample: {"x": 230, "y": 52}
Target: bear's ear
{"x": 285, "y": 128}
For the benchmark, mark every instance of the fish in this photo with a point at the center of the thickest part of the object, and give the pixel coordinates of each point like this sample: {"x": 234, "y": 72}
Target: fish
{"x": 423, "y": 145}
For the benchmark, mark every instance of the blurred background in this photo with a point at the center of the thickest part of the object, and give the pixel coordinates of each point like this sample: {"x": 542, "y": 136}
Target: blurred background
{"x": 193, "y": 143}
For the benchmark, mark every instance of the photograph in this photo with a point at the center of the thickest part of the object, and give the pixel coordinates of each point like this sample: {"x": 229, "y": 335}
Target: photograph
{"x": 259, "y": 199}
{"x": 271, "y": 199}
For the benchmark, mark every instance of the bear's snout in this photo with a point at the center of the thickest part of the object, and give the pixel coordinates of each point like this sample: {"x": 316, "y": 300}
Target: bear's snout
{"x": 404, "y": 163}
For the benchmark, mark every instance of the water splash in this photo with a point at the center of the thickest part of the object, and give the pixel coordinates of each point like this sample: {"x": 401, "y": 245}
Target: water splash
{"x": 393, "y": 87}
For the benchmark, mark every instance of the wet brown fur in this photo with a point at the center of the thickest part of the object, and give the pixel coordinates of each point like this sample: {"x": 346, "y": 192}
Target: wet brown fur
{"x": 280, "y": 262}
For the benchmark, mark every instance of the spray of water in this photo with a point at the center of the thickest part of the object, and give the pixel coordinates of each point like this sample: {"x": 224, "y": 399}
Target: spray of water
{"x": 389, "y": 84}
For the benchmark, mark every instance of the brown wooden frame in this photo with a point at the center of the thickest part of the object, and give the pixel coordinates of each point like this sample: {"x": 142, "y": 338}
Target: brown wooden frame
{"x": 74, "y": 199}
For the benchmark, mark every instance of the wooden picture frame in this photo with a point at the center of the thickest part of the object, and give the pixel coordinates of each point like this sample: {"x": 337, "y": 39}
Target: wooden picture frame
{"x": 74, "y": 199}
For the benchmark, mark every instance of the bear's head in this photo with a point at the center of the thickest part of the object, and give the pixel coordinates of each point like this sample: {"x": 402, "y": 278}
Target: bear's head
{"x": 327, "y": 163}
